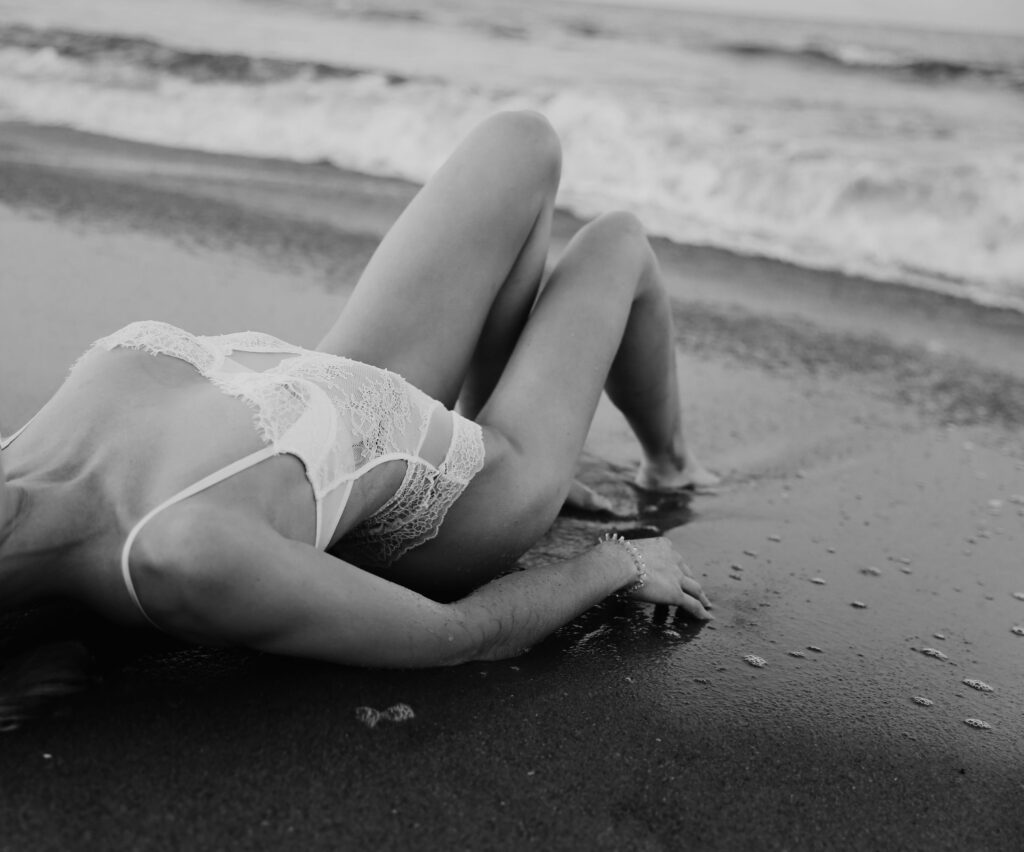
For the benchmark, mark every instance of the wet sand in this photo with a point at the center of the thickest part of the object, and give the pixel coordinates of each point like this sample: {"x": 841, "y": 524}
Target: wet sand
{"x": 871, "y": 440}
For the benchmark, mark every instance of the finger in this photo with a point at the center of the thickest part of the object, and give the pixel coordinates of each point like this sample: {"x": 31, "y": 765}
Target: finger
{"x": 692, "y": 588}
{"x": 694, "y": 607}
{"x": 689, "y": 573}
{"x": 584, "y": 497}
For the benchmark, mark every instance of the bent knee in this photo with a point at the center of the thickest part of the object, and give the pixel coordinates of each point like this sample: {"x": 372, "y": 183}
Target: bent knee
{"x": 620, "y": 227}
{"x": 623, "y": 234}
{"x": 529, "y": 134}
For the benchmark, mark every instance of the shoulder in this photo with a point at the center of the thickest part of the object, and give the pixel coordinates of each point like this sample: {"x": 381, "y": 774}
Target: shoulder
{"x": 188, "y": 560}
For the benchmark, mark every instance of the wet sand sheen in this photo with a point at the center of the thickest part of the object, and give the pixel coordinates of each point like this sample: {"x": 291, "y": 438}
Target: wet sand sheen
{"x": 828, "y": 411}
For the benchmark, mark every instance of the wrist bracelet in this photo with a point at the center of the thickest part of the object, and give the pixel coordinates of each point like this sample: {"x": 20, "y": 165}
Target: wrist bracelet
{"x": 634, "y": 554}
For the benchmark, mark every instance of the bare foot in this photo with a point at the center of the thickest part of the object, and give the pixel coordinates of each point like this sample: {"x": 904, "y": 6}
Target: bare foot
{"x": 668, "y": 477}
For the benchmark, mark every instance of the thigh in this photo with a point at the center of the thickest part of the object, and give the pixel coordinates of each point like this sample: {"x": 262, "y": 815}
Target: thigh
{"x": 538, "y": 416}
{"x": 425, "y": 295}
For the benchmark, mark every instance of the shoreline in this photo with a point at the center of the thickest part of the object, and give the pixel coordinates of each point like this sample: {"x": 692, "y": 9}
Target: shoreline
{"x": 857, "y": 431}
{"x": 809, "y": 290}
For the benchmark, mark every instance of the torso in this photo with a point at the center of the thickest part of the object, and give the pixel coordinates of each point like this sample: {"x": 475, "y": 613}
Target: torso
{"x": 130, "y": 429}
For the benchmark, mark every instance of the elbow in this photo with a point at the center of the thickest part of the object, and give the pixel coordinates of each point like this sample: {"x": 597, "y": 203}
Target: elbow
{"x": 483, "y": 639}
{"x": 463, "y": 639}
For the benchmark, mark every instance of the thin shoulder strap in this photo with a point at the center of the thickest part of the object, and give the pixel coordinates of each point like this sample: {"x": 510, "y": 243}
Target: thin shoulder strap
{"x": 204, "y": 483}
{"x": 6, "y": 442}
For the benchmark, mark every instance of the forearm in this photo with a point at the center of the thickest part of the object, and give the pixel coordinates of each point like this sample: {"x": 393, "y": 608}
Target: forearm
{"x": 509, "y": 615}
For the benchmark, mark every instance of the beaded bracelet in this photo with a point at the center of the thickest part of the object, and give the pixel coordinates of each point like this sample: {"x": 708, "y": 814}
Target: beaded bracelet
{"x": 634, "y": 554}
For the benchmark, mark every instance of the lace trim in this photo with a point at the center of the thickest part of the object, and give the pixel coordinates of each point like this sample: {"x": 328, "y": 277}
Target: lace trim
{"x": 336, "y": 415}
{"x": 415, "y": 513}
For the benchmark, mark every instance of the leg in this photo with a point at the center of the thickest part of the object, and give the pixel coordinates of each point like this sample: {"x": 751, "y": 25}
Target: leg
{"x": 603, "y": 316}
{"x": 453, "y": 281}
{"x": 606, "y": 311}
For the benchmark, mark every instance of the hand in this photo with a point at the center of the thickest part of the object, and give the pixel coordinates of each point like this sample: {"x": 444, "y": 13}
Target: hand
{"x": 668, "y": 579}
{"x": 583, "y": 498}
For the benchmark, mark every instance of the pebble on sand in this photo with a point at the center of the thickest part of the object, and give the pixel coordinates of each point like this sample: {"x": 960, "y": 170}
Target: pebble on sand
{"x": 979, "y": 685}
{"x": 1019, "y": 596}
{"x": 1017, "y": 629}
{"x": 815, "y": 648}
{"x": 924, "y": 702}
{"x": 871, "y": 571}
{"x": 797, "y": 654}
{"x": 818, "y": 581}
{"x": 978, "y": 723}
{"x": 858, "y": 604}
{"x": 755, "y": 661}
{"x": 932, "y": 652}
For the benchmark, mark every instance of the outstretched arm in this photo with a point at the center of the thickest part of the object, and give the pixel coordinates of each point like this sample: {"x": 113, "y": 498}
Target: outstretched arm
{"x": 276, "y": 595}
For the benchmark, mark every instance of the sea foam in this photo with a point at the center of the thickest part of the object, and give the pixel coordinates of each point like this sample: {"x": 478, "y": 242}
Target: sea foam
{"x": 923, "y": 191}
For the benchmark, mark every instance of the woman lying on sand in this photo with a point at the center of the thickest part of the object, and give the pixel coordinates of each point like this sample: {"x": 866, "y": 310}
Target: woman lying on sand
{"x": 360, "y": 500}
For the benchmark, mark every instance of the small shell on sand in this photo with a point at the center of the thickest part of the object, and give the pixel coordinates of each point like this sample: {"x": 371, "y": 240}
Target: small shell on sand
{"x": 755, "y": 661}
{"x": 396, "y": 713}
{"x": 858, "y": 604}
{"x": 932, "y": 652}
{"x": 368, "y": 716}
{"x": 979, "y": 685}
{"x": 924, "y": 702}
{"x": 978, "y": 723}
{"x": 818, "y": 581}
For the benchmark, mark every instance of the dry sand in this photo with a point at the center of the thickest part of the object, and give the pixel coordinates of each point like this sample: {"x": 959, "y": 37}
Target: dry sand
{"x": 872, "y": 446}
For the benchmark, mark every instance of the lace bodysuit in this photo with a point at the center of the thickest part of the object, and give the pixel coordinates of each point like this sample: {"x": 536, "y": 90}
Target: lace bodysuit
{"x": 341, "y": 418}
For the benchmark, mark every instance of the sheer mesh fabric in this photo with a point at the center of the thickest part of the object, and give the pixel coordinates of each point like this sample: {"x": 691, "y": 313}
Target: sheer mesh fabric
{"x": 338, "y": 416}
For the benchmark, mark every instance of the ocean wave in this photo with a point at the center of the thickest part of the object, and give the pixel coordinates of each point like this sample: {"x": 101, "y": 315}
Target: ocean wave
{"x": 197, "y": 66}
{"x": 852, "y": 56}
{"x": 942, "y": 215}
